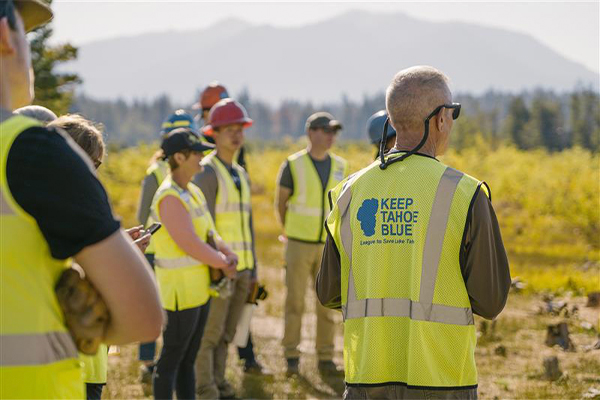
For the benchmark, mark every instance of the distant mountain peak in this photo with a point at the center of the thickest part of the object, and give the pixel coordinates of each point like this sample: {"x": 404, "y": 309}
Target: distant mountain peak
{"x": 354, "y": 53}
{"x": 231, "y": 23}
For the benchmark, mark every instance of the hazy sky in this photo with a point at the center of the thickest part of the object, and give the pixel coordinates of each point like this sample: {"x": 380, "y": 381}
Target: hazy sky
{"x": 572, "y": 29}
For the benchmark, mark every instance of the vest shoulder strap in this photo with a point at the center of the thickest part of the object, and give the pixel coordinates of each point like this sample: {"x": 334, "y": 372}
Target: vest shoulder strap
{"x": 297, "y": 155}
{"x": 168, "y": 188}
{"x": 338, "y": 159}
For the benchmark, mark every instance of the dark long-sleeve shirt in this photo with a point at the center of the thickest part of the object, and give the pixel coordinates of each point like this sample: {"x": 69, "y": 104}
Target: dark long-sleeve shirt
{"x": 149, "y": 188}
{"x": 483, "y": 263}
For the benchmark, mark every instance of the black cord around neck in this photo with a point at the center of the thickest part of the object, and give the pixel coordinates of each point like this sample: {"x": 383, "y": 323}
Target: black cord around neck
{"x": 385, "y": 163}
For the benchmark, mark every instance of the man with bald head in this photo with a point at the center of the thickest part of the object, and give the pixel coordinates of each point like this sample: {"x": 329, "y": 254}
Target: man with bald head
{"x": 409, "y": 274}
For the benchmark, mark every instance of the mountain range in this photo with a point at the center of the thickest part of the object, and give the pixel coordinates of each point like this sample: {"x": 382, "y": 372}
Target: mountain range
{"x": 353, "y": 54}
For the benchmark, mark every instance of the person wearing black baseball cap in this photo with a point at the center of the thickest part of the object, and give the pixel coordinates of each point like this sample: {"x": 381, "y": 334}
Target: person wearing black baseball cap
{"x": 55, "y": 209}
{"x": 181, "y": 139}
{"x": 182, "y": 257}
{"x": 304, "y": 180}
{"x": 156, "y": 173}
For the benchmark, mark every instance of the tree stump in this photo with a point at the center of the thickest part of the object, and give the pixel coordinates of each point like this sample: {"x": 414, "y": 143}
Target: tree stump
{"x": 551, "y": 369}
{"x": 559, "y": 334}
{"x": 593, "y": 299}
{"x": 500, "y": 350}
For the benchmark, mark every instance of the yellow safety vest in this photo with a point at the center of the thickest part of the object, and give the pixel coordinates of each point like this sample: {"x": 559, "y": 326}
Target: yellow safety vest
{"x": 183, "y": 281}
{"x": 407, "y": 314}
{"x": 160, "y": 169}
{"x": 95, "y": 368}
{"x": 232, "y": 211}
{"x": 38, "y": 358}
{"x": 308, "y": 205}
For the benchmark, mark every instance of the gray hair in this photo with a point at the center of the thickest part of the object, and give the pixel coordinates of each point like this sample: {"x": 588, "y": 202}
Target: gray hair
{"x": 413, "y": 94}
{"x": 40, "y": 113}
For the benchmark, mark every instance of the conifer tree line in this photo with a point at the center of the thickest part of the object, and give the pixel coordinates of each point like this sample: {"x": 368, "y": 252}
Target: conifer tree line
{"x": 529, "y": 120}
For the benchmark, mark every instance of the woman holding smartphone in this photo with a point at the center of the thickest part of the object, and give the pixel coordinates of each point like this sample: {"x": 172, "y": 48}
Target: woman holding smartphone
{"x": 182, "y": 257}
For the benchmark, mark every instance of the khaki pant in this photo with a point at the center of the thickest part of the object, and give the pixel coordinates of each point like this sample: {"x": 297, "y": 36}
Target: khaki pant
{"x": 304, "y": 260}
{"x": 220, "y": 329}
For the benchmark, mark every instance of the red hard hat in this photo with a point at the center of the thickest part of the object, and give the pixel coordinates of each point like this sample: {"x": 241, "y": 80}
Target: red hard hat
{"x": 226, "y": 112}
{"x": 213, "y": 93}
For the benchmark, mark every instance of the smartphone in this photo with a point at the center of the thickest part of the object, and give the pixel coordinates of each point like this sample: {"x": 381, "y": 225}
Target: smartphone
{"x": 154, "y": 228}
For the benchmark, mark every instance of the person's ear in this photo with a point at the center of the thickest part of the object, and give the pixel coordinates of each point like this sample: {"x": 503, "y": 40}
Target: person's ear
{"x": 6, "y": 44}
{"x": 441, "y": 119}
{"x": 179, "y": 157}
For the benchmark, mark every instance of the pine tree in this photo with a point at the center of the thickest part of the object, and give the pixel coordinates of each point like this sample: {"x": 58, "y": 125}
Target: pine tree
{"x": 585, "y": 119}
{"x": 546, "y": 119}
{"x": 516, "y": 123}
{"x": 52, "y": 89}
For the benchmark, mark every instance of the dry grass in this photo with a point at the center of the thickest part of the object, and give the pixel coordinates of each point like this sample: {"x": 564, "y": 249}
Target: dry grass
{"x": 520, "y": 329}
{"x": 547, "y": 205}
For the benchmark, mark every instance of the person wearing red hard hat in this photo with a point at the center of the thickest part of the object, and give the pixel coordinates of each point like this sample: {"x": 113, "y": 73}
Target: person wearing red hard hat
{"x": 210, "y": 96}
{"x": 226, "y": 186}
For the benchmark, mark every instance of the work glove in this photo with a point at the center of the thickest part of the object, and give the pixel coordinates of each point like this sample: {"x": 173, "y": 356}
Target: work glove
{"x": 86, "y": 314}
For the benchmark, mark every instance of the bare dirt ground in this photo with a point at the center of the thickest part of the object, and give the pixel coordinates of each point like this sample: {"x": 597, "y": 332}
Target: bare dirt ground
{"x": 510, "y": 353}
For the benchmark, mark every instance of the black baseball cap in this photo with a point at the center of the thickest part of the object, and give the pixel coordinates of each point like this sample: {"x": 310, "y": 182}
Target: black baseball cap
{"x": 183, "y": 139}
{"x": 322, "y": 120}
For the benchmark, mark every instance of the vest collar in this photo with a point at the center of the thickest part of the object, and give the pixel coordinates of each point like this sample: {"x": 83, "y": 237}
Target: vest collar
{"x": 5, "y": 114}
{"x": 394, "y": 152}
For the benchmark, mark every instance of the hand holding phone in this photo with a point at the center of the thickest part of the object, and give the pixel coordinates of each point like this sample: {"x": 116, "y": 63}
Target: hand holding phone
{"x": 152, "y": 229}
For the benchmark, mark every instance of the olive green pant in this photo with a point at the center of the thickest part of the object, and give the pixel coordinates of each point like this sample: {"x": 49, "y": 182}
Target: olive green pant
{"x": 303, "y": 260}
{"x": 220, "y": 329}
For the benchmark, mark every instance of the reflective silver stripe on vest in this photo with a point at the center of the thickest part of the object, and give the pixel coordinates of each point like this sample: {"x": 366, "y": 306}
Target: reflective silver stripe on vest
{"x": 194, "y": 212}
{"x": 5, "y": 209}
{"x": 239, "y": 246}
{"x": 436, "y": 230}
{"x": 390, "y": 307}
{"x": 197, "y": 212}
{"x": 300, "y": 186}
{"x": 36, "y": 349}
{"x": 306, "y": 211}
{"x": 423, "y": 310}
{"x": 176, "y": 262}
{"x": 232, "y": 207}
{"x": 222, "y": 188}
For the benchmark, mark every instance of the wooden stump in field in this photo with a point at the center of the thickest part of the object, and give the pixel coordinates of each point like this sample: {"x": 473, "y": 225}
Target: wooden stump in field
{"x": 559, "y": 334}
{"x": 551, "y": 369}
{"x": 593, "y": 299}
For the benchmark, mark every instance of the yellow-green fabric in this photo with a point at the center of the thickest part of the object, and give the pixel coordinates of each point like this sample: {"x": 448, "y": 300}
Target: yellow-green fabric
{"x": 308, "y": 205}
{"x": 95, "y": 368}
{"x": 407, "y": 315}
{"x": 38, "y": 358}
{"x": 232, "y": 211}
{"x": 183, "y": 281}
{"x": 160, "y": 169}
